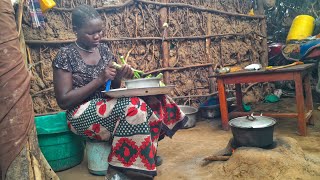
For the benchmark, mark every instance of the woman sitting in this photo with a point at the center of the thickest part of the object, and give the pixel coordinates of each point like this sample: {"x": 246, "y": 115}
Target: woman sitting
{"x": 134, "y": 125}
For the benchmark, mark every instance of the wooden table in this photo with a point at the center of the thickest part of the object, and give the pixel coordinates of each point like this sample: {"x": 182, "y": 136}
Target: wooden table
{"x": 300, "y": 74}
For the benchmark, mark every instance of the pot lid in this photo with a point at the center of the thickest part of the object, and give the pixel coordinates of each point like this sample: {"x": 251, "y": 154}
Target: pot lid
{"x": 252, "y": 122}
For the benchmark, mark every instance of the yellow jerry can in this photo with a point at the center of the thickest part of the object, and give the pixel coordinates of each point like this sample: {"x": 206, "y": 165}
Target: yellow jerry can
{"x": 45, "y": 5}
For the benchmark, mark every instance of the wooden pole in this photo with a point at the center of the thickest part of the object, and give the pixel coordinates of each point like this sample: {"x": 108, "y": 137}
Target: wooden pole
{"x": 216, "y": 158}
{"x": 19, "y": 16}
{"x": 165, "y": 43}
{"x": 165, "y": 4}
{"x": 197, "y": 8}
{"x": 178, "y": 68}
{"x": 208, "y": 43}
{"x": 103, "y": 8}
{"x": 215, "y": 36}
{"x": 20, "y": 32}
{"x": 264, "y": 54}
{"x": 260, "y": 7}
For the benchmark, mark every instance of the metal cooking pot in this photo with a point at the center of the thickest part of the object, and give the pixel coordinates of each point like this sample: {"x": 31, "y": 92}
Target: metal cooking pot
{"x": 191, "y": 113}
{"x": 253, "y": 131}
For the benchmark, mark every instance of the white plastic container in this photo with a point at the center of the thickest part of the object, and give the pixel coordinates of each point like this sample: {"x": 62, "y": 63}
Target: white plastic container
{"x": 97, "y": 153}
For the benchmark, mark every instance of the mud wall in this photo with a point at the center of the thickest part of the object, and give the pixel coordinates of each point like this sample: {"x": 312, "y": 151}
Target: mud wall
{"x": 200, "y": 35}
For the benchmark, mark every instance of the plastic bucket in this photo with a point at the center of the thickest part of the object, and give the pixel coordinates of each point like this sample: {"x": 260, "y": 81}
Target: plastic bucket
{"x": 97, "y": 154}
{"x": 61, "y": 148}
{"x": 302, "y": 27}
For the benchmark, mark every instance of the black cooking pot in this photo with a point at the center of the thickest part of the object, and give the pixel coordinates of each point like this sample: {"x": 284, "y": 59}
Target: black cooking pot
{"x": 252, "y": 131}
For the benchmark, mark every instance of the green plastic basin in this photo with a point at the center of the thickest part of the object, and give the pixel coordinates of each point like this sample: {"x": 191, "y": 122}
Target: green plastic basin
{"x": 59, "y": 145}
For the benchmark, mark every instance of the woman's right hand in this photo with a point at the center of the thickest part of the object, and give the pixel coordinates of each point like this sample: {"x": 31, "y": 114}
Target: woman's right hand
{"x": 108, "y": 73}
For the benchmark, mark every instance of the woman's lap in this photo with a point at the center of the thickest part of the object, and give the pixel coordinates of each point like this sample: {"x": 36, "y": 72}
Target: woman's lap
{"x": 134, "y": 126}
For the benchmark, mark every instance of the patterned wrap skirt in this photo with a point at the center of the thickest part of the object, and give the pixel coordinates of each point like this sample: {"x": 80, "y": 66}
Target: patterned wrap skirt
{"x": 133, "y": 125}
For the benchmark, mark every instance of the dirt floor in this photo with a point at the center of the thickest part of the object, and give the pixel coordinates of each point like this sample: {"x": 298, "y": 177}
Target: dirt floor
{"x": 183, "y": 155}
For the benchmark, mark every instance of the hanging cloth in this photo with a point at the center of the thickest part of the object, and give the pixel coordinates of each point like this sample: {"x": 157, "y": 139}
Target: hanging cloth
{"x": 16, "y": 110}
{"x": 37, "y": 17}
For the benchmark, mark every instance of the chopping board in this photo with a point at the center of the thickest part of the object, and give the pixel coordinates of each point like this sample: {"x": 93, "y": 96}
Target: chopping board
{"x": 124, "y": 92}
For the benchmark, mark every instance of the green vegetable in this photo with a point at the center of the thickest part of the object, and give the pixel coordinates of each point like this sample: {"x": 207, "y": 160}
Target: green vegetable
{"x": 136, "y": 73}
{"x": 160, "y": 75}
{"x": 149, "y": 76}
{"x": 116, "y": 65}
{"x": 122, "y": 60}
{"x": 161, "y": 84}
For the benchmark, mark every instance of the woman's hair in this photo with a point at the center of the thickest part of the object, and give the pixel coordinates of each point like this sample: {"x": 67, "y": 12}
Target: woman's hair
{"x": 82, "y": 14}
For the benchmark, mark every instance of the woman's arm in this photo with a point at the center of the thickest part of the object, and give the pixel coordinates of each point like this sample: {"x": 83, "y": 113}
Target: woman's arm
{"x": 66, "y": 97}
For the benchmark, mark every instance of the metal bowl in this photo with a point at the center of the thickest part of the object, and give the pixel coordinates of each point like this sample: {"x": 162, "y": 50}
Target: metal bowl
{"x": 191, "y": 113}
{"x": 142, "y": 83}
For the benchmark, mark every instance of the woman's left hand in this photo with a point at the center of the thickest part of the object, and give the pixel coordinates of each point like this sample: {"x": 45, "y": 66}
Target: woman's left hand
{"x": 125, "y": 72}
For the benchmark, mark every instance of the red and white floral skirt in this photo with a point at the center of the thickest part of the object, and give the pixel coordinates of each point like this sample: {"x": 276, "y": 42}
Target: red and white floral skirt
{"x": 133, "y": 124}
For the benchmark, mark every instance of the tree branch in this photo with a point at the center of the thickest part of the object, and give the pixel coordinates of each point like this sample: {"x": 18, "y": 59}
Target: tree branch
{"x": 103, "y": 8}
{"x": 178, "y": 68}
{"x": 179, "y": 5}
{"x": 183, "y": 5}
{"x": 143, "y": 38}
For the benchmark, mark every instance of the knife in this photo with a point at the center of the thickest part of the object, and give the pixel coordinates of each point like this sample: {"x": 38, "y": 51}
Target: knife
{"x": 108, "y": 84}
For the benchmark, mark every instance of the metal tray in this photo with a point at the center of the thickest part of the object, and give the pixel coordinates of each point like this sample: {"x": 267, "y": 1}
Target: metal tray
{"x": 124, "y": 92}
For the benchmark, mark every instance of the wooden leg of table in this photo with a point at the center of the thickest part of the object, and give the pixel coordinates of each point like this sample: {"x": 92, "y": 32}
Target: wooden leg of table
{"x": 223, "y": 104}
{"x": 300, "y": 104}
{"x": 309, "y": 102}
{"x": 239, "y": 97}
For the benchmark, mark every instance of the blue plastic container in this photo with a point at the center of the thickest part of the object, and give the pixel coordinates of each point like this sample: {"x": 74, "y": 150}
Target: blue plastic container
{"x": 59, "y": 145}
